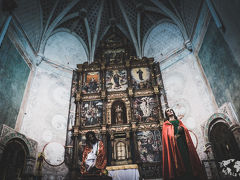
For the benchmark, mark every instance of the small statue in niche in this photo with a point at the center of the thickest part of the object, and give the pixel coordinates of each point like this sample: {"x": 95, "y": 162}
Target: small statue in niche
{"x": 140, "y": 74}
{"x": 118, "y": 112}
{"x": 119, "y": 116}
{"x": 116, "y": 79}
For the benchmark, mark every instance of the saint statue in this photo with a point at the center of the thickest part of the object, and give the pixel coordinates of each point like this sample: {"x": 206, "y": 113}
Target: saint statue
{"x": 119, "y": 117}
{"x": 140, "y": 72}
{"x": 116, "y": 80}
{"x": 180, "y": 158}
{"x": 94, "y": 157}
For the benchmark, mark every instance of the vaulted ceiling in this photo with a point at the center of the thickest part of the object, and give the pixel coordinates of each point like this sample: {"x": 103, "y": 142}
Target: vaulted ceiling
{"x": 90, "y": 20}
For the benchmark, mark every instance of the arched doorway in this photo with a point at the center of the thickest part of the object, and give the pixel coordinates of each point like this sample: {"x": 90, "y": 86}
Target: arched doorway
{"x": 223, "y": 142}
{"x": 13, "y": 160}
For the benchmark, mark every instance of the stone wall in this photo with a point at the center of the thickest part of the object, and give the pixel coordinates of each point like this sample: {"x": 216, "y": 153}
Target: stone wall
{"x": 220, "y": 68}
{"x": 14, "y": 74}
{"x": 229, "y": 16}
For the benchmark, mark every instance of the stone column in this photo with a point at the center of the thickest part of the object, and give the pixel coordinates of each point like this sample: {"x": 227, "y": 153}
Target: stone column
{"x": 75, "y": 170}
{"x": 130, "y": 91}
{"x": 2, "y": 147}
{"x": 235, "y": 129}
{"x": 134, "y": 129}
{"x": 29, "y": 168}
{"x": 162, "y": 92}
{"x": 77, "y": 114}
{"x": 75, "y": 158}
{"x": 113, "y": 149}
{"x": 104, "y": 136}
{"x": 103, "y": 93}
{"x": 129, "y": 155}
{"x": 212, "y": 168}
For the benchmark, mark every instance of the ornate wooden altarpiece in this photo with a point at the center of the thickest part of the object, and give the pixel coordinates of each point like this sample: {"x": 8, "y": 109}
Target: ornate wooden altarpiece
{"x": 120, "y": 98}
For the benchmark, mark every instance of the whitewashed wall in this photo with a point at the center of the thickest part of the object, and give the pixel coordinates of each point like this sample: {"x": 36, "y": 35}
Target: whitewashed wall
{"x": 189, "y": 96}
{"x": 47, "y": 110}
{"x": 46, "y": 114}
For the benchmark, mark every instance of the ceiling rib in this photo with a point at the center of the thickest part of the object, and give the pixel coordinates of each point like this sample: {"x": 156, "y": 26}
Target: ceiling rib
{"x": 55, "y": 22}
{"x": 95, "y": 36}
{"x": 132, "y": 34}
{"x": 170, "y": 14}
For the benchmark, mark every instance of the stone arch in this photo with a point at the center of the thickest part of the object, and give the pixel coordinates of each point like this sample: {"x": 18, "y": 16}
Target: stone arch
{"x": 13, "y": 159}
{"x": 75, "y": 35}
{"x": 165, "y": 20}
{"x": 221, "y": 143}
{"x": 162, "y": 40}
{"x": 216, "y": 117}
{"x": 65, "y": 48}
{"x": 31, "y": 148}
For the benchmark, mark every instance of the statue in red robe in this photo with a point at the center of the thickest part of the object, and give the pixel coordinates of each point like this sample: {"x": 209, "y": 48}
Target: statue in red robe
{"x": 94, "y": 157}
{"x": 180, "y": 159}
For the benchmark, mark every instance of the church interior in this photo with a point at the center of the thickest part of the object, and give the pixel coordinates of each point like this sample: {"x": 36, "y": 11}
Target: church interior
{"x": 113, "y": 67}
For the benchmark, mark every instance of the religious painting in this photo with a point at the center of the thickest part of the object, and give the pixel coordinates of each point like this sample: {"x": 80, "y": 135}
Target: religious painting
{"x": 116, "y": 80}
{"x": 145, "y": 109}
{"x": 140, "y": 78}
{"x": 91, "y": 83}
{"x": 118, "y": 112}
{"x": 149, "y": 145}
{"x": 92, "y": 112}
{"x": 114, "y": 56}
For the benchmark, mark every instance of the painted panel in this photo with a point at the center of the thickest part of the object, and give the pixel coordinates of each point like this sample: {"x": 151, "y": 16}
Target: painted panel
{"x": 91, "y": 82}
{"x": 145, "y": 109}
{"x": 140, "y": 78}
{"x": 149, "y": 145}
{"x": 92, "y": 112}
{"x": 116, "y": 80}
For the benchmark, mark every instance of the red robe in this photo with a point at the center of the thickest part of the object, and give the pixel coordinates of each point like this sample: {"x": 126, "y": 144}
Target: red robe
{"x": 173, "y": 165}
{"x": 101, "y": 160}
